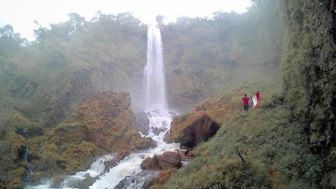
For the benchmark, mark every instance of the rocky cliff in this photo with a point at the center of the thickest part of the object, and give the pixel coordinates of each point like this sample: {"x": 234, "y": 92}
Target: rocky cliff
{"x": 310, "y": 73}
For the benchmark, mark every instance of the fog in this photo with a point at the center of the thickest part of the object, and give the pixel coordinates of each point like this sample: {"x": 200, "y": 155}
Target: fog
{"x": 25, "y": 16}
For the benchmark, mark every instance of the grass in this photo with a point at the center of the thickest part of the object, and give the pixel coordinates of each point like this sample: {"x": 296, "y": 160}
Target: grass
{"x": 274, "y": 149}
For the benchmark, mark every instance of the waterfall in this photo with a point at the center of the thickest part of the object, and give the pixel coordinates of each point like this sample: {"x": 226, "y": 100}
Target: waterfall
{"x": 128, "y": 173}
{"x": 26, "y": 179}
{"x": 154, "y": 72}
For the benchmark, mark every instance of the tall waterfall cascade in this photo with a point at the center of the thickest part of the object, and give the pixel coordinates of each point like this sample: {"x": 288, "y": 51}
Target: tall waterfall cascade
{"x": 155, "y": 85}
{"x": 127, "y": 174}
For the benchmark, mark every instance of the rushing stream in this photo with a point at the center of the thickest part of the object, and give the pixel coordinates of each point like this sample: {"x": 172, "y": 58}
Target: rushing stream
{"x": 128, "y": 173}
{"x": 130, "y": 166}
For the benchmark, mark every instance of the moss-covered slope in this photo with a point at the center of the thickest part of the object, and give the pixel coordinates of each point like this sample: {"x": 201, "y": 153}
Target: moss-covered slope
{"x": 289, "y": 142}
{"x": 309, "y": 75}
{"x": 275, "y": 152}
{"x": 309, "y": 69}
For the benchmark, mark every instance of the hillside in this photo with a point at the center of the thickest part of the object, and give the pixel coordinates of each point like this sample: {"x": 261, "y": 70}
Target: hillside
{"x": 288, "y": 142}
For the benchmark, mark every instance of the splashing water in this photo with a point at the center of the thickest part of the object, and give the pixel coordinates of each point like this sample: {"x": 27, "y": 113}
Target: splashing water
{"x": 130, "y": 166}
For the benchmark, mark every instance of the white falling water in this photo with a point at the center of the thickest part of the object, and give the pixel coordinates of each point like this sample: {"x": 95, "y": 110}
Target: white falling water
{"x": 159, "y": 119}
{"x": 159, "y": 124}
{"x": 154, "y": 72}
{"x": 130, "y": 166}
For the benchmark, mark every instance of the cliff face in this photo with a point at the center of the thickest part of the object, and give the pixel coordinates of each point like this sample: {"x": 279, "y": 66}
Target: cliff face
{"x": 309, "y": 70}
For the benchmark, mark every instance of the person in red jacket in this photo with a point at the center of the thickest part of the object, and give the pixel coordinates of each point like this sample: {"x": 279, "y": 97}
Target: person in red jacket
{"x": 246, "y": 102}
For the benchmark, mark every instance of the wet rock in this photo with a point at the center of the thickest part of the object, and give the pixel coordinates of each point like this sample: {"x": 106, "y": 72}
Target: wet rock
{"x": 162, "y": 162}
{"x": 57, "y": 181}
{"x": 136, "y": 181}
{"x": 151, "y": 180}
{"x": 142, "y": 122}
{"x": 151, "y": 163}
{"x": 159, "y": 179}
{"x": 157, "y": 130}
{"x": 192, "y": 129}
{"x": 85, "y": 183}
{"x": 113, "y": 162}
{"x": 169, "y": 159}
{"x": 186, "y": 155}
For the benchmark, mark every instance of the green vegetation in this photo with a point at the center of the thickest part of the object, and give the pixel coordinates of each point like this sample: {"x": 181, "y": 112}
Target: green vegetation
{"x": 275, "y": 152}
{"x": 209, "y": 56}
{"x": 309, "y": 73}
{"x": 288, "y": 142}
{"x": 43, "y": 80}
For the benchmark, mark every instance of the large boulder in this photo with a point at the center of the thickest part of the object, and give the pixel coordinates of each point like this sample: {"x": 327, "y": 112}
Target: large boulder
{"x": 110, "y": 122}
{"x": 137, "y": 180}
{"x": 162, "y": 162}
{"x": 192, "y": 129}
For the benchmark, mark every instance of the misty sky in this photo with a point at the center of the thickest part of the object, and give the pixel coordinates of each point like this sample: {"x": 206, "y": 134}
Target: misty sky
{"x": 22, "y": 13}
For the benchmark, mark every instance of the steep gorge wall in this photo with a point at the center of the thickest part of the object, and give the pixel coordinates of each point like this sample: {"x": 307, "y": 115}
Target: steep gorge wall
{"x": 309, "y": 72}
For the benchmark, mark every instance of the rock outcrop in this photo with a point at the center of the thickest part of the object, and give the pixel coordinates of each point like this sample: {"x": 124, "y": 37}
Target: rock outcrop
{"x": 192, "y": 129}
{"x": 105, "y": 121}
{"x": 100, "y": 124}
{"x": 162, "y": 162}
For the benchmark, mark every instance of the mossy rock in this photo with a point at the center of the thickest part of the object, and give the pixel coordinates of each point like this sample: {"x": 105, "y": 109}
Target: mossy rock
{"x": 78, "y": 157}
{"x": 15, "y": 184}
{"x": 70, "y": 133}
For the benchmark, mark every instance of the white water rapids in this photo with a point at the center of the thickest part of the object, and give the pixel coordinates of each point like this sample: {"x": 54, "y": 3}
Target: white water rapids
{"x": 159, "y": 124}
{"x": 130, "y": 166}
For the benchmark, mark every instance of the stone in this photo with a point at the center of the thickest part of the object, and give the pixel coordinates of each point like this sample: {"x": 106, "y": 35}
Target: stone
{"x": 111, "y": 123}
{"x": 139, "y": 180}
{"x": 192, "y": 129}
{"x": 186, "y": 155}
{"x": 162, "y": 162}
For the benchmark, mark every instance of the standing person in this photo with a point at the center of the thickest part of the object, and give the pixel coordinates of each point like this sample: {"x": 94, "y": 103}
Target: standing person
{"x": 246, "y": 102}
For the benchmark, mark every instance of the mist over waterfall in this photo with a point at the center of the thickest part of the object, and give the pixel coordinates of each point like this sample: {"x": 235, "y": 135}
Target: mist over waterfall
{"x": 155, "y": 85}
